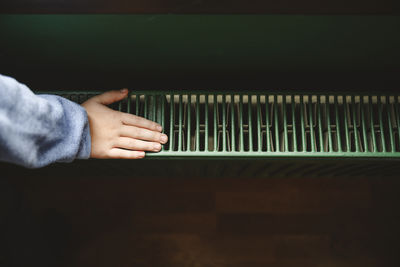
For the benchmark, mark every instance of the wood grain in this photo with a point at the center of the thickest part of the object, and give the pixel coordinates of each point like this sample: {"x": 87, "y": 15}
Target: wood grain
{"x": 126, "y": 221}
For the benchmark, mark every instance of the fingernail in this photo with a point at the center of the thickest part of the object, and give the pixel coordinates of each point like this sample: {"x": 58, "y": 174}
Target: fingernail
{"x": 157, "y": 147}
{"x": 141, "y": 154}
{"x": 164, "y": 138}
{"x": 159, "y": 128}
{"x": 123, "y": 90}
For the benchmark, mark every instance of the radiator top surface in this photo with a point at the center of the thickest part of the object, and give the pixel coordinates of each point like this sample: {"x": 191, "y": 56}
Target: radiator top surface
{"x": 264, "y": 124}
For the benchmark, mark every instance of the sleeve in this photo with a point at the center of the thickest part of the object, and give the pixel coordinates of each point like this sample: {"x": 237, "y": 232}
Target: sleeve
{"x": 36, "y": 130}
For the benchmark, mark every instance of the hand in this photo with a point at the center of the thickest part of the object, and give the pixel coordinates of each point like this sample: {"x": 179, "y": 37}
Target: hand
{"x": 116, "y": 134}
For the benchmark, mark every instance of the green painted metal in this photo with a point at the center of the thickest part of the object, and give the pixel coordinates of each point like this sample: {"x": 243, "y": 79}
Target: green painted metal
{"x": 293, "y": 124}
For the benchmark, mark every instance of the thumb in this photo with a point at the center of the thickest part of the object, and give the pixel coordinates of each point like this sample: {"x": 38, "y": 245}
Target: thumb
{"x": 111, "y": 96}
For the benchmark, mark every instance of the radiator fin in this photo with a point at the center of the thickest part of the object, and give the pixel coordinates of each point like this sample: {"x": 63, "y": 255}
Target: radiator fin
{"x": 266, "y": 125}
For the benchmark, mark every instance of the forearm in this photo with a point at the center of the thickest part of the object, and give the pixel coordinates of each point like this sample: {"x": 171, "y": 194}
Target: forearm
{"x": 36, "y": 130}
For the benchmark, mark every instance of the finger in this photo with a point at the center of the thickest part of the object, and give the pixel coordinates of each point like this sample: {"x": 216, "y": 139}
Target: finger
{"x": 143, "y": 134}
{"x": 134, "y": 120}
{"x": 135, "y": 144}
{"x": 117, "y": 153}
{"x": 110, "y": 97}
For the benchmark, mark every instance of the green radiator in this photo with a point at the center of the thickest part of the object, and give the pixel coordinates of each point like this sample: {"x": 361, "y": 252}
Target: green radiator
{"x": 265, "y": 124}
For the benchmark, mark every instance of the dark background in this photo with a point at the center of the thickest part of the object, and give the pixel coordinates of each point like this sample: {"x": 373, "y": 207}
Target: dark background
{"x": 203, "y": 6}
{"x": 161, "y": 51}
{"x": 183, "y": 214}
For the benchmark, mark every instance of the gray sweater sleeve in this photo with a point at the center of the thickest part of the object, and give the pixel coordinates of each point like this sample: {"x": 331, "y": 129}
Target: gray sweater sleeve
{"x": 36, "y": 130}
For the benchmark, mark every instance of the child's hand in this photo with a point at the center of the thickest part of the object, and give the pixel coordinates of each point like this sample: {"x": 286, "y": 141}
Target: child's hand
{"x": 120, "y": 135}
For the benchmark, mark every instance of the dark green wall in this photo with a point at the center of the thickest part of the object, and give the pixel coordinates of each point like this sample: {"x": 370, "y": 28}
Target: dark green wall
{"x": 129, "y": 50}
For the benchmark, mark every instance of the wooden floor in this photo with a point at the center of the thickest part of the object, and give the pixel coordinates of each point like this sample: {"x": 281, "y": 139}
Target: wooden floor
{"x": 124, "y": 221}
